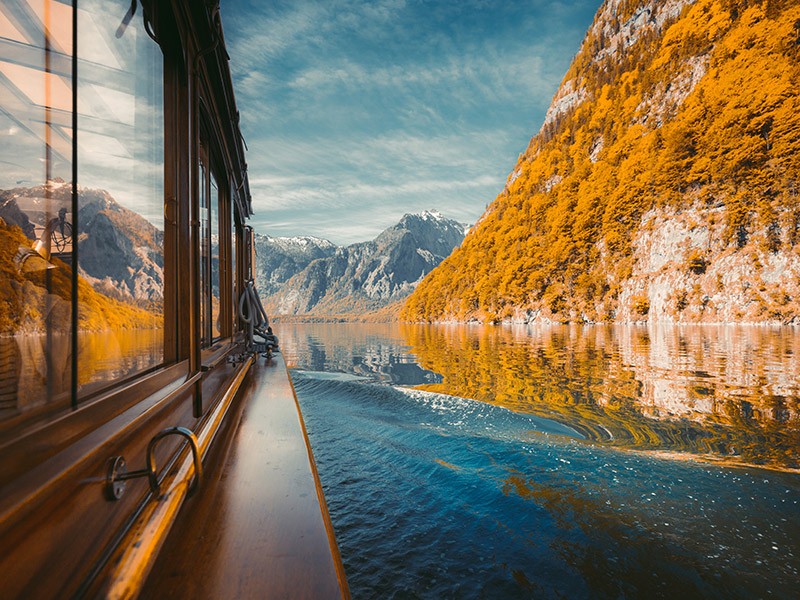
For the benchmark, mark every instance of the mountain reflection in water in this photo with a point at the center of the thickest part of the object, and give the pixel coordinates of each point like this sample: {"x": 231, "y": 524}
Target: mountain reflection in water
{"x": 726, "y": 393}
{"x": 440, "y": 496}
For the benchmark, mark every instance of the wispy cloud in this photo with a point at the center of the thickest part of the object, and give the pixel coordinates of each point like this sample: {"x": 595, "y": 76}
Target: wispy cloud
{"x": 358, "y": 111}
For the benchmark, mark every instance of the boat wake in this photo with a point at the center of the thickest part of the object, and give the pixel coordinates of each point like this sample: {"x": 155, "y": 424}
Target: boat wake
{"x": 438, "y": 496}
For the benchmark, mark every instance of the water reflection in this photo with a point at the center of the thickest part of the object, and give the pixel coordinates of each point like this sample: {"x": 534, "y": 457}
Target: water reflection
{"x": 728, "y": 393}
{"x": 374, "y": 350}
{"x": 437, "y": 496}
{"x": 35, "y": 368}
{"x": 116, "y": 355}
{"x": 104, "y": 357}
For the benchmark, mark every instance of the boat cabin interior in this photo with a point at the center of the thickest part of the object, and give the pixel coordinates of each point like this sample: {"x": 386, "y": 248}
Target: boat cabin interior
{"x": 135, "y": 402}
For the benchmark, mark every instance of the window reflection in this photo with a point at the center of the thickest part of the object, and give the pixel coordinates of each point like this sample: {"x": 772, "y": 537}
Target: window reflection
{"x": 233, "y": 277}
{"x": 118, "y": 233}
{"x": 121, "y": 192}
{"x": 35, "y": 206}
{"x": 204, "y": 252}
{"x": 214, "y": 243}
{"x": 211, "y": 203}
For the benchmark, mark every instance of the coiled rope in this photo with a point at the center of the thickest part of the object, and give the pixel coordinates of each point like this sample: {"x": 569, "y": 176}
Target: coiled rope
{"x": 252, "y": 312}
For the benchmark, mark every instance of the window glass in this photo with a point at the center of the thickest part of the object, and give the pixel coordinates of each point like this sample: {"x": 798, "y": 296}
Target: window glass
{"x": 121, "y": 194}
{"x": 36, "y": 233}
{"x": 215, "y": 255}
{"x": 212, "y": 266}
{"x": 205, "y": 234}
{"x": 234, "y": 277}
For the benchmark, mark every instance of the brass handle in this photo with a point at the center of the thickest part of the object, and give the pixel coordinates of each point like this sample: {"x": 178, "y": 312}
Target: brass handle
{"x": 118, "y": 474}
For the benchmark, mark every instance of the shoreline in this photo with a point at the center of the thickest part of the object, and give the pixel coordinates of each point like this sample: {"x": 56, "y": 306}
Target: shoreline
{"x": 371, "y": 318}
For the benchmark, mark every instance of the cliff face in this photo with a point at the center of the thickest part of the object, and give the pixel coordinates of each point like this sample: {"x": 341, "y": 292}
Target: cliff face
{"x": 279, "y": 258}
{"x": 370, "y": 275}
{"x": 663, "y": 184}
{"x": 121, "y": 253}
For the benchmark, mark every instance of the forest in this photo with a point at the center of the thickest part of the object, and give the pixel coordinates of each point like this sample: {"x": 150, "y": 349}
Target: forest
{"x": 663, "y": 121}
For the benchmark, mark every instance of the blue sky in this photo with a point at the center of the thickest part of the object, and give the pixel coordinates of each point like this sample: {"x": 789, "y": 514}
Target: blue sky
{"x": 357, "y": 112}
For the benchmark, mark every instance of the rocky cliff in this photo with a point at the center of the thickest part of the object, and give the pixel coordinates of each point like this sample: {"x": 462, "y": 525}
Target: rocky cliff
{"x": 662, "y": 185}
{"x": 279, "y": 258}
{"x": 370, "y": 275}
{"x": 121, "y": 253}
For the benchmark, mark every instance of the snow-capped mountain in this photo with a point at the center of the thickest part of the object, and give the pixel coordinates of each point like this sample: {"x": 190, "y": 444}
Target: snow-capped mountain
{"x": 370, "y": 275}
{"x": 279, "y": 258}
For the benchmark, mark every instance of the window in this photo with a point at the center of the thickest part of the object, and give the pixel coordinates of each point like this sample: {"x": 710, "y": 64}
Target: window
{"x": 214, "y": 263}
{"x": 234, "y": 312}
{"x": 205, "y": 237}
{"x": 120, "y": 195}
{"x": 81, "y": 207}
{"x": 215, "y": 258}
{"x": 36, "y": 226}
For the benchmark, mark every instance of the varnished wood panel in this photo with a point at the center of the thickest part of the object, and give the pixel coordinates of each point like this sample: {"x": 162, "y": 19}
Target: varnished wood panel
{"x": 49, "y": 544}
{"x": 256, "y": 528}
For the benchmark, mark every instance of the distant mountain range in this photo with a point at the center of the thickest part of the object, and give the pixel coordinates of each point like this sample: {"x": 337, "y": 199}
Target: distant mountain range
{"x": 121, "y": 255}
{"x": 663, "y": 185}
{"x": 280, "y": 258}
{"x": 329, "y": 280}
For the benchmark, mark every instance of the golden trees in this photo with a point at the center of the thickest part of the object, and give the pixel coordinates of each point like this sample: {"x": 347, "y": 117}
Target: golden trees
{"x": 707, "y": 108}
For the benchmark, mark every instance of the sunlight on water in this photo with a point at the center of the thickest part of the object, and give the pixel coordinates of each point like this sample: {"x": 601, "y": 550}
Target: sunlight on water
{"x": 532, "y": 491}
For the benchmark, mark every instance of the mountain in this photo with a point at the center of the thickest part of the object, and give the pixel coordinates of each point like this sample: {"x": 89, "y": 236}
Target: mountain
{"x": 662, "y": 185}
{"x": 120, "y": 252}
{"x": 279, "y": 258}
{"x": 370, "y": 275}
{"x": 33, "y": 301}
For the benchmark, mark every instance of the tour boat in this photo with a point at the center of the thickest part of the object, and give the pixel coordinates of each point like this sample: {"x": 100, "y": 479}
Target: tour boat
{"x": 150, "y": 445}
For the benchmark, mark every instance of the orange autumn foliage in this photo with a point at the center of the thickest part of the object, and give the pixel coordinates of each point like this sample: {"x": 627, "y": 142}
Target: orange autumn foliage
{"x": 32, "y": 301}
{"x": 703, "y": 110}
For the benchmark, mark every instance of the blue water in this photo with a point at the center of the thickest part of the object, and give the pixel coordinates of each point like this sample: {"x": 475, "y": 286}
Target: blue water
{"x": 436, "y": 496}
{"x": 433, "y": 496}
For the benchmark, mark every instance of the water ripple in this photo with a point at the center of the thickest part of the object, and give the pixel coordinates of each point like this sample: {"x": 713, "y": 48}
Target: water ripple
{"x": 433, "y": 496}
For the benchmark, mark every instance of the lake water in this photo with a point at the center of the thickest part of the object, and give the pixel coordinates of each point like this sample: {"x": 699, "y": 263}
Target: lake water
{"x": 603, "y": 462}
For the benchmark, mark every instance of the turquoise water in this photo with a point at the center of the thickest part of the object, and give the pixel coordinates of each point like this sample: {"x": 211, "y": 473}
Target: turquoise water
{"x": 439, "y": 496}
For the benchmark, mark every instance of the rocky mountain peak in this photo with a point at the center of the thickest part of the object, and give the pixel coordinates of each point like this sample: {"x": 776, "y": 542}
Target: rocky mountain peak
{"x": 279, "y": 258}
{"x": 367, "y": 275}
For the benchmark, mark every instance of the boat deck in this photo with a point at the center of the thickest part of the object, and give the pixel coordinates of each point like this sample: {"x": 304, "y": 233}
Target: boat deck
{"x": 258, "y": 526}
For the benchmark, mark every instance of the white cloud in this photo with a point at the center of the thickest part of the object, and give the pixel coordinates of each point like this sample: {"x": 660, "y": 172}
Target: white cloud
{"x": 356, "y": 112}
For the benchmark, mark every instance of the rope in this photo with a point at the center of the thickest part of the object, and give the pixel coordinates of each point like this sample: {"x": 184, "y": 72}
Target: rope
{"x": 252, "y": 312}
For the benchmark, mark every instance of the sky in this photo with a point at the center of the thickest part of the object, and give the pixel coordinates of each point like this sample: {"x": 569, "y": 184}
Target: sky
{"x": 356, "y": 112}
